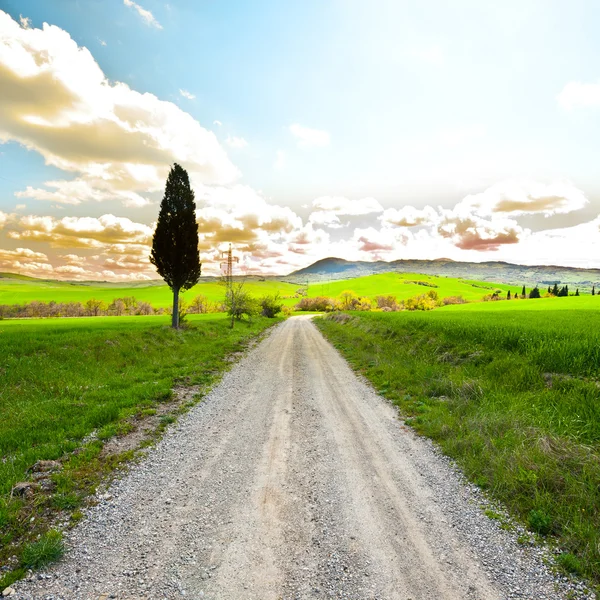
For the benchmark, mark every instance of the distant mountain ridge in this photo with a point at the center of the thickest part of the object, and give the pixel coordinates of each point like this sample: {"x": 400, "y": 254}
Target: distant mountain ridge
{"x": 498, "y": 271}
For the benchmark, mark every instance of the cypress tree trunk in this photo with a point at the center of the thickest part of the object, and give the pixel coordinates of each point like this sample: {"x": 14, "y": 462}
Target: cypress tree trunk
{"x": 175, "y": 318}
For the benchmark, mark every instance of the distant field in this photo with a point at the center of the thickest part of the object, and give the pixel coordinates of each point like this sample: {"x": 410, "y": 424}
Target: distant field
{"x": 399, "y": 285}
{"x": 19, "y": 290}
{"x": 572, "y": 303}
{"x": 511, "y": 390}
{"x": 62, "y": 379}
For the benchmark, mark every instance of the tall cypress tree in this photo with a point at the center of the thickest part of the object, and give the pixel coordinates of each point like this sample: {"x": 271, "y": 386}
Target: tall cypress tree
{"x": 524, "y": 293}
{"x": 555, "y": 290}
{"x": 175, "y": 244}
{"x": 593, "y": 290}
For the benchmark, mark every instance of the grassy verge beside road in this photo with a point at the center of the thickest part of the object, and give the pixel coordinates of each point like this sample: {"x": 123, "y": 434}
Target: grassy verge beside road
{"x": 69, "y": 386}
{"x": 513, "y": 396}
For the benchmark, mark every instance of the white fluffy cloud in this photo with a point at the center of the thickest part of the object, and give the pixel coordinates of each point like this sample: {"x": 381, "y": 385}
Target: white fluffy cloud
{"x": 516, "y": 198}
{"x": 340, "y": 205}
{"x": 308, "y": 137}
{"x": 79, "y": 232}
{"x": 80, "y": 190}
{"x": 25, "y": 261}
{"x": 119, "y": 143}
{"x": 579, "y": 95}
{"x": 487, "y": 221}
{"x": 475, "y": 233}
{"x": 187, "y": 94}
{"x": 145, "y": 15}
{"x": 409, "y": 216}
{"x": 120, "y": 247}
{"x": 241, "y": 215}
{"x": 329, "y": 209}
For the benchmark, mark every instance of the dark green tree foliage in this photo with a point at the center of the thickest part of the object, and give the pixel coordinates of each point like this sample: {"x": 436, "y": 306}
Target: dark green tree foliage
{"x": 175, "y": 244}
{"x": 555, "y": 290}
{"x": 577, "y": 292}
{"x": 535, "y": 292}
{"x": 593, "y": 290}
{"x": 508, "y": 295}
{"x": 271, "y": 306}
{"x": 549, "y": 289}
{"x": 524, "y": 292}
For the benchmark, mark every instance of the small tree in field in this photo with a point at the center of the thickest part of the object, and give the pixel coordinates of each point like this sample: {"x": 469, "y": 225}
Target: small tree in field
{"x": 175, "y": 244}
{"x": 238, "y": 302}
{"x": 95, "y": 307}
{"x": 271, "y": 306}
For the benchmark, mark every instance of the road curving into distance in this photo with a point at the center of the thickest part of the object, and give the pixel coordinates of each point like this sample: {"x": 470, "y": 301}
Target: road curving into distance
{"x": 292, "y": 480}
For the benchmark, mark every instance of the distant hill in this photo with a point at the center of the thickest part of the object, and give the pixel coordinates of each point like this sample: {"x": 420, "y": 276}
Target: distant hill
{"x": 17, "y": 276}
{"x": 501, "y": 272}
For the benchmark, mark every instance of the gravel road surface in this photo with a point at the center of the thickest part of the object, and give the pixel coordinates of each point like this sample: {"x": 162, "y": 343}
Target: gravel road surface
{"x": 292, "y": 480}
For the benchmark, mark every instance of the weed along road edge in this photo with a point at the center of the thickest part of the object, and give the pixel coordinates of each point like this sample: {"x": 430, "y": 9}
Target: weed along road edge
{"x": 293, "y": 479}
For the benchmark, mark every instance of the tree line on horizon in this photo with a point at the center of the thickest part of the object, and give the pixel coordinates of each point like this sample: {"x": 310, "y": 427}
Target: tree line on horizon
{"x": 553, "y": 291}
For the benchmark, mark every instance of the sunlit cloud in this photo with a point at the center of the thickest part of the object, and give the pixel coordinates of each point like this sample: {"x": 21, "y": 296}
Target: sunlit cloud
{"x": 187, "y": 94}
{"x": 409, "y": 216}
{"x": 79, "y": 232}
{"x": 119, "y": 143}
{"x": 525, "y": 198}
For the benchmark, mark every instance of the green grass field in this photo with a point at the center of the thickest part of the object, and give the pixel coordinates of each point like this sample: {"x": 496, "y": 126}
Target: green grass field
{"x": 399, "y": 285}
{"x": 511, "y": 390}
{"x": 62, "y": 379}
{"x": 577, "y": 303}
{"x": 19, "y": 289}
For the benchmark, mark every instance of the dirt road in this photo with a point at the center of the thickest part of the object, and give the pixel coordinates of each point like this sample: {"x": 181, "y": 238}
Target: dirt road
{"x": 293, "y": 480}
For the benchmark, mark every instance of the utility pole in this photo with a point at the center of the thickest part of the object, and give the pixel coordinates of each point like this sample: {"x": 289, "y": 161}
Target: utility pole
{"x": 230, "y": 296}
{"x": 229, "y": 266}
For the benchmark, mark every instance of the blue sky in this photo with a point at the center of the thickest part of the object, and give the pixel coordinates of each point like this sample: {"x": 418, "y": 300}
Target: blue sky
{"x": 312, "y": 104}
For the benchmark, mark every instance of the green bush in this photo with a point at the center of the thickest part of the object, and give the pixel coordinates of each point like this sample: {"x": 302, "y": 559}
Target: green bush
{"x": 271, "y": 306}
